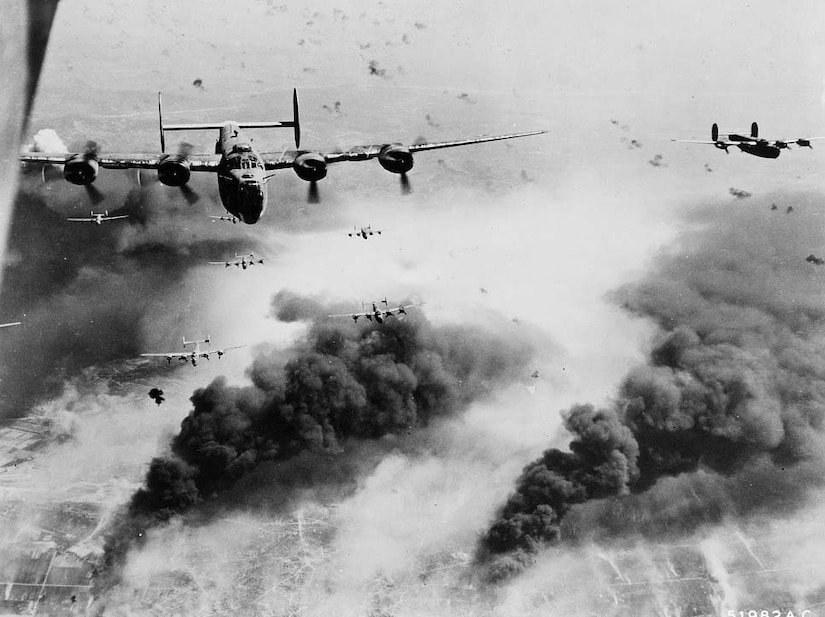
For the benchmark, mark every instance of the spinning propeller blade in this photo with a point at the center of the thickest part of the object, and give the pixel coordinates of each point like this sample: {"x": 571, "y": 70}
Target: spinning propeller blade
{"x": 313, "y": 196}
{"x": 406, "y": 187}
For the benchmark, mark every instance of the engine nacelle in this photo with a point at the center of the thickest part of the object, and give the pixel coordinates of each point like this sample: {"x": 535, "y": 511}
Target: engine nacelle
{"x": 81, "y": 169}
{"x": 397, "y": 159}
{"x": 310, "y": 166}
{"x": 174, "y": 170}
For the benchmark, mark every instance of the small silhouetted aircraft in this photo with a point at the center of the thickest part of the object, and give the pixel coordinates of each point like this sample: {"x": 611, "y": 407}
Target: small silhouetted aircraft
{"x": 751, "y": 144}
{"x": 363, "y": 232}
{"x": 813, "y": 259}
{"x": 378, "y": 314}
{"x": 240, "y": 261}
{"x": 97, "y": 217}
{"x": 228, "y": 219}
{"x": 242, "y": 172}
{"x": 191, "y": 356}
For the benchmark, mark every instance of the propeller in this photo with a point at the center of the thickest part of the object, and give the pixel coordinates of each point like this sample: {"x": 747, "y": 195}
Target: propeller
{"x": 188, "y": 193}
{"x": 313, "y": 197}
{"x": 406, "y": 187}
{"x": 91, "y": 149}
{"x": 94, "y": 194}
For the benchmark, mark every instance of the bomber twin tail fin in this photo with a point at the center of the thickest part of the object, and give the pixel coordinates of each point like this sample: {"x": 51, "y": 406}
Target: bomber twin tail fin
{"x": 294, "y": 123}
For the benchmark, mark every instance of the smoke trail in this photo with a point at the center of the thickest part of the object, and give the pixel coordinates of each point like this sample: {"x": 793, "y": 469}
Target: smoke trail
{"x": 724, "y": 420}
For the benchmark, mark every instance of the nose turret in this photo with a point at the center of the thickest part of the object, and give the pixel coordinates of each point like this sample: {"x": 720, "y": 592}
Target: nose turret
{"x": 247, "y": 195}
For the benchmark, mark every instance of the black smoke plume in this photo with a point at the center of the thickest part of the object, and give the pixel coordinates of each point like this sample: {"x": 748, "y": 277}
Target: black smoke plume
{"x": 724, "y": 420}
{"x": 343, "y": 382}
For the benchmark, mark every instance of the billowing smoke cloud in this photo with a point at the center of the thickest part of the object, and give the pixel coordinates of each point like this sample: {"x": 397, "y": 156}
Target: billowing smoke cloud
{"x": 47, "y": 140}
{"x": 343, "y": 381}
{"x": 724, "y": 420}
{"x": 289, "y": 306}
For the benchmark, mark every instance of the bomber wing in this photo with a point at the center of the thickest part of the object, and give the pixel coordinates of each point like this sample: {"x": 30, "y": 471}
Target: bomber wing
{"x": 401, "y": 308}
{"x": 199, "y": 162}
{"x": 805, "y": 142}
{"x": 170, "y": 355}
{"x": 364, "y": 153}
{"x": 218, "y": 352}
{"x": 722, "y": 144}
{"x": 13, "y": 323}
{"x": 719, "y": 143}
{"x": 703, "y": 141}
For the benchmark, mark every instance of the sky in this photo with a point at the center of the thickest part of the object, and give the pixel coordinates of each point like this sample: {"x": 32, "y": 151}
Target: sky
{"x": 546, "y": 239}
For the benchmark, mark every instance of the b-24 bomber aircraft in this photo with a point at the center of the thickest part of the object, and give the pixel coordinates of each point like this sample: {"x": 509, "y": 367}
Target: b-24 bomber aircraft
{"x": 240, "y": 261}
{"x": 242, "y": 172}
{"x": 194, "y": 355}
{"x": 97, "y": 217}
{"x": 363, "y": 232}
{"x": 379, "y": 315}
{"x": 228, "y": 219}
{"x": 751, "y": 144}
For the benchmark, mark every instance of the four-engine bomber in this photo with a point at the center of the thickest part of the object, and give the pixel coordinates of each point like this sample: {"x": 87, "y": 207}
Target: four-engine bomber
{"x": 242, "y": 172}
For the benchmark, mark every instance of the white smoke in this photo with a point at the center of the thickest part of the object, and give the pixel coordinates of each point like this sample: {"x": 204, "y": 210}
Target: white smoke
{"x": 47, "y": 140}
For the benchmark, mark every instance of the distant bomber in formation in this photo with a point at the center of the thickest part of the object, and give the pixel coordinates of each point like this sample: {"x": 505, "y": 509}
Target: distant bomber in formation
{"x": 228, "y": 219}
{"x": 240, "y": 261}
{"x": 191, "y": 356}
{"x": 364, "y": 232}
{"x": 377, "y": 314}
{"x": 242, "y": 172}
{"x": 751, "y": 144}
{"x": 97, "y": 217}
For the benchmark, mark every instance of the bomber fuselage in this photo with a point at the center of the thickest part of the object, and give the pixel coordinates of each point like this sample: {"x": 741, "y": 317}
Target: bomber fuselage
{"x": 756, "y": 147}
{"x": 241, "y": 181}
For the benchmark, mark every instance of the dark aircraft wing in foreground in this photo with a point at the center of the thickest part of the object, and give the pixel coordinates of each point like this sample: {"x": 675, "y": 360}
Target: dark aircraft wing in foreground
{"x": 201, "y": 162}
